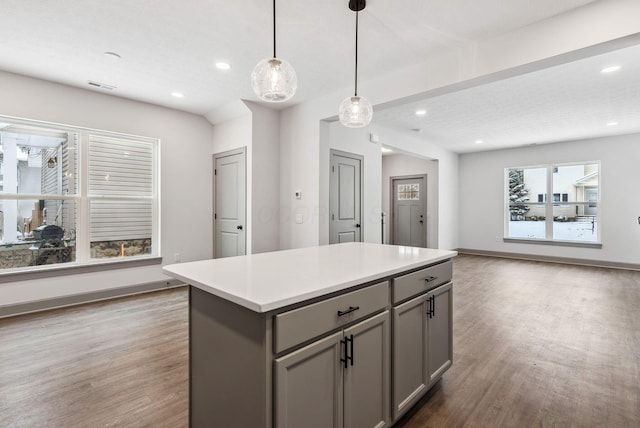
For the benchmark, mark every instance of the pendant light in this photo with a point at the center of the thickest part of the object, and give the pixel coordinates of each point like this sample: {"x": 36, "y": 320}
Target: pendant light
{"x": 274, "y": 80}
{"x": 356, "y": 111}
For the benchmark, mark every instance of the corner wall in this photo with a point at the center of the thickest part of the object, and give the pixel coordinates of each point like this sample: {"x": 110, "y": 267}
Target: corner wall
{"x": 539, "y": 45}
{"x": 396, "y": 165}
{"x": 185, "y": 179}
{"x": 482, "y": 196}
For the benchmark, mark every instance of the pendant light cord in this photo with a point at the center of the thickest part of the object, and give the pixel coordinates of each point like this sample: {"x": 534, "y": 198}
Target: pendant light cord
{"x": 274, "y": 28}
{"x": 356, "y": 77}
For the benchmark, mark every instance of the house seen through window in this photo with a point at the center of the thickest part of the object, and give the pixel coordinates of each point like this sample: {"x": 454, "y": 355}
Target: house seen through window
{"x": 571, "y": 214}
{"x": 74, "y": 196}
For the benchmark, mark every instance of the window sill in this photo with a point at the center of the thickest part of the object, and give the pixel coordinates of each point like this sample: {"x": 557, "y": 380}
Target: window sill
{"x": 48, "y": 271}
{"x": 578, "y": 244}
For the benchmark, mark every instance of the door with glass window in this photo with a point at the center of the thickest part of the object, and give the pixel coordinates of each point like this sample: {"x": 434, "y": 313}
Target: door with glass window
{"x": 409, "y": 211}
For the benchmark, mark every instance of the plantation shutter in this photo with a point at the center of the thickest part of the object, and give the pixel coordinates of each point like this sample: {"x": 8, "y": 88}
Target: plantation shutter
{"x": 120, "y": 188}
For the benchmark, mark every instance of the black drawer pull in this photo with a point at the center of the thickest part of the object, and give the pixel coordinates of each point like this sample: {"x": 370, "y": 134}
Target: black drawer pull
{"x": 348, "y": 311}
{"x": 431, "y": 279}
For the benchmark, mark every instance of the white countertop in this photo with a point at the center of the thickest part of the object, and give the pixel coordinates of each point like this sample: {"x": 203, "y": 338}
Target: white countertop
{"x": 268, "y": 281}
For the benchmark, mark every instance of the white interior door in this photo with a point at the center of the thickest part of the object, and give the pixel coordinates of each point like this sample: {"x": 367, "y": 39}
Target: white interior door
{"x": 409, "y": 211}
{"x": 229, "y": 204}
{"x": 345, "y": 193}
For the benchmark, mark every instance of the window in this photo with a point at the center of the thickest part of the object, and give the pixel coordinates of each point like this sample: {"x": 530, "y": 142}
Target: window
{"x": 408, "y": 192}
{"x": 572, "y": 214}
{"x": 75, "y": 196}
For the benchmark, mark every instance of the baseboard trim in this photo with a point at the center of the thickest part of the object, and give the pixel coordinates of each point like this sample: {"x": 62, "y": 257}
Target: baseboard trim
{"x": 93, "y": 296}
{"x": 551, "y": 259}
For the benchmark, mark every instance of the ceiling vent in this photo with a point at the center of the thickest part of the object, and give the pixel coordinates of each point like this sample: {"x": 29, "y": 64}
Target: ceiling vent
{"x": 101, "y": 85}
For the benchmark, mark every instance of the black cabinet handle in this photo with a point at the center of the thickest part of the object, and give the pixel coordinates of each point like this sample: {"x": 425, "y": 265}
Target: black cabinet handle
{"x": 357, "y": 225}
{"x": 348, "y": 311}
{"x": 430, "y": 279}
{"x": 347, "y": 350}
{"x": 432, "y": 306}
{"x": 239, "y": 227}
{"x": 344, "y": 352}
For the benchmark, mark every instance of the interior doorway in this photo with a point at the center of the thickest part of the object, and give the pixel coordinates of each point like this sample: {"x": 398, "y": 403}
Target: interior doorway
{"x": 229, "y": 184}
{"x": 409, "y": 210}
{"x": 345, "y": 197}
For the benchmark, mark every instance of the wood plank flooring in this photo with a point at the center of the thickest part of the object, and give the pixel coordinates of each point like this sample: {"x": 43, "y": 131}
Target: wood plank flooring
{"x": 535, "y": 344}
{"x": 119, "y": 363}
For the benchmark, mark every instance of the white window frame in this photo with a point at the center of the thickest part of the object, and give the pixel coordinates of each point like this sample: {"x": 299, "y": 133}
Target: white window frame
{"x": 83, "y": 199}
{"x": 549, "y": 203}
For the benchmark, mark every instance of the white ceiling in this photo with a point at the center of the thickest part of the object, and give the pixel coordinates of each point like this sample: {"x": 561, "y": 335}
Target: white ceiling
{"x": 169, "y": 46}
{"x": 562, "y": 103}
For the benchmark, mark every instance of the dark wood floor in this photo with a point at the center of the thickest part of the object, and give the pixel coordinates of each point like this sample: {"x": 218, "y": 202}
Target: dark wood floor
{"x": 535, "y": 344}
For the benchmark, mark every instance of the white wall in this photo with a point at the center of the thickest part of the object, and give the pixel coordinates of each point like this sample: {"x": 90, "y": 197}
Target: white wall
{"x": 396, "y": 165}
{"x": 265, "y": 204}
{"x": 303, "y": 154}
{"x": 185, "y": 175}
{"x": 482, "y": 185}
{"x": 258, "y": 130}
{"x": 354, "y": 141}
{"x": 233, "y": 134}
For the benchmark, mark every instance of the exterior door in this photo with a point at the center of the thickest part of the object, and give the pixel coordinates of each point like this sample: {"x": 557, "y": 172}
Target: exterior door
{"x": 229, "y": 204}
{"x": 409, "y": 210}
{"x": 345, "y": 198}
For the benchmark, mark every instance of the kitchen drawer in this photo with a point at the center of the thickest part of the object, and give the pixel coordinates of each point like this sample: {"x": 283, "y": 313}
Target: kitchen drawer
{"x": 305, "y": 323}
{"x": 420, "y": 281}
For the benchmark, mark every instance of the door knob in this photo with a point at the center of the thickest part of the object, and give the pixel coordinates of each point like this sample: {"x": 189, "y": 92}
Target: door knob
{"x": 357, "y": 225}
{"x": 239, "y": 227}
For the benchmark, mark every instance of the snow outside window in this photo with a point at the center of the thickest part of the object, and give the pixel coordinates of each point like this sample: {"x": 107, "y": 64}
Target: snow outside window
{"x": 571, "y": 215}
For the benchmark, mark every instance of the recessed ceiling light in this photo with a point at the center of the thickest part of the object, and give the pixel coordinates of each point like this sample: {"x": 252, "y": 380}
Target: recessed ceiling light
{"x": 612, "y": 123}
{"x": 223, "y": 66}
{"x": 385, "y": 150}
{"x": 177, "y": 94}
{"x": 112, "y": 55}
{"x": 610, "y": 69}
{"x": 479, "y": 142}
{"x": 421, "y": 112}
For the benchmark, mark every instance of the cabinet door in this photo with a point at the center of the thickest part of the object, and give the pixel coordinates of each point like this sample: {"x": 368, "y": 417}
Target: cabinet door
{"x": 410, "y": 378}
{"x": 367, "y": 375}
{"x": 308, "y": 386}
{"x": 440, "y": 332}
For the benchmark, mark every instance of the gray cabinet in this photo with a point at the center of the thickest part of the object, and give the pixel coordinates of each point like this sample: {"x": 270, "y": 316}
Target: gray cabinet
{"x": 339, "y": 381}
{"x": 323, "y": 363}
{"x": 422, "y": 345}
{"x": 440, "y": 331}
{"x": 309, "y": 385}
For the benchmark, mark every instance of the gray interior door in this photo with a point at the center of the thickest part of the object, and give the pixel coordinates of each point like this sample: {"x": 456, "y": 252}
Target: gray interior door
{"x": 229, "y": 204}
{"x": 345, "y": 193}
{"x": 409, "y": 211}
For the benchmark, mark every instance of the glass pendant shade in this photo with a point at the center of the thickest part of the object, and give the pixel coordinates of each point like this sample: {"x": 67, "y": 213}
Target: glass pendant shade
{"x": 274, "y": 80}
{"x": 355, "y": 112}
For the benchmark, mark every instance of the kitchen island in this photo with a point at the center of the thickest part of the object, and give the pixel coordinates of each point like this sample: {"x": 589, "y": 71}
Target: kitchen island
{"x": 341, "y": 335}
